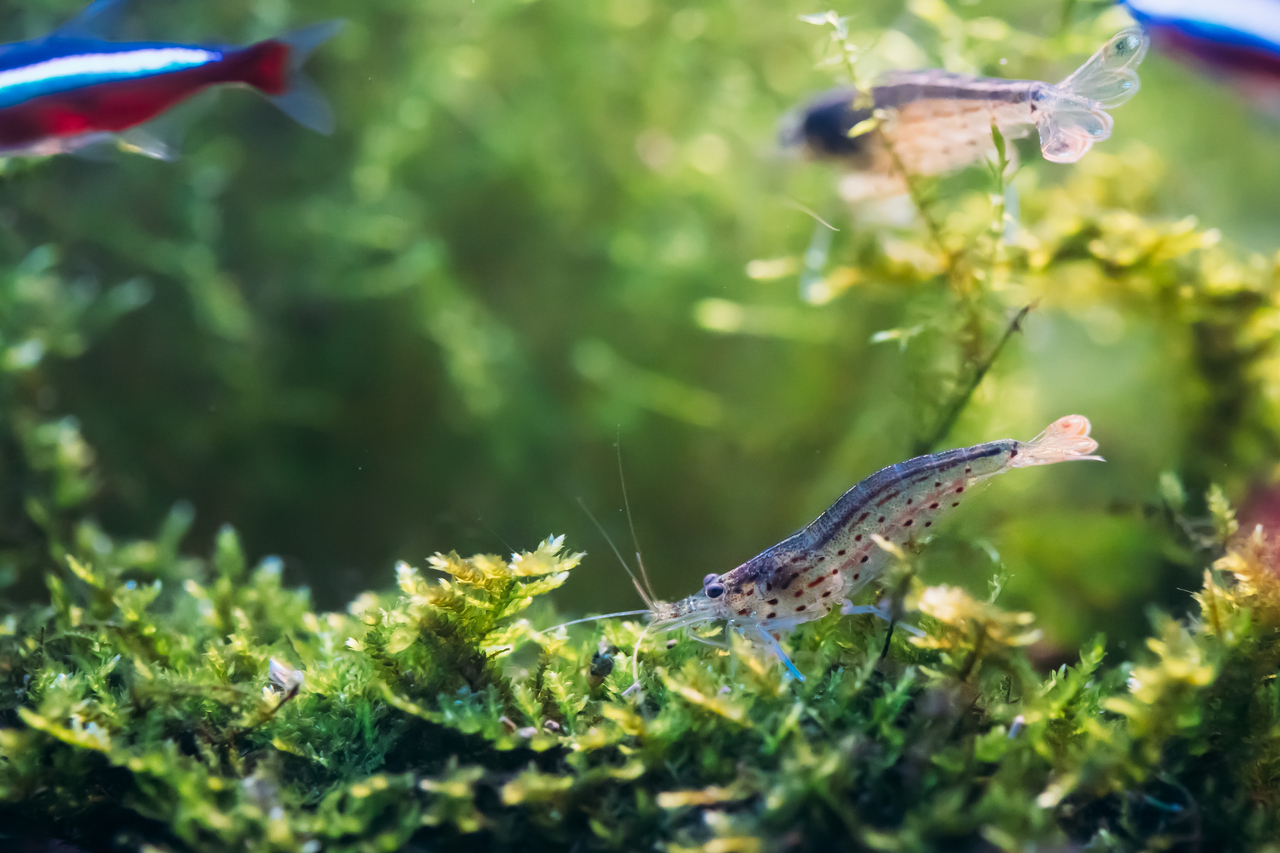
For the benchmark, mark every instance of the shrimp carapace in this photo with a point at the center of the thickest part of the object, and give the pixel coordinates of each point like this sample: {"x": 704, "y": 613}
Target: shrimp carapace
{"x": 932, "y": 122}
{"x": 816, "y": 570}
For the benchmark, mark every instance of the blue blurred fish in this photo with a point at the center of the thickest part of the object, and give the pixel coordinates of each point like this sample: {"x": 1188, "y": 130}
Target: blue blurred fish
{"x": 72, "y": 88}
{"x": 1238, "y": 40}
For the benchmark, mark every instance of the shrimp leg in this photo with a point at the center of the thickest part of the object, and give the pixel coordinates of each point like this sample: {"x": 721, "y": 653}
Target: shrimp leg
{"x": 755, "y": 630}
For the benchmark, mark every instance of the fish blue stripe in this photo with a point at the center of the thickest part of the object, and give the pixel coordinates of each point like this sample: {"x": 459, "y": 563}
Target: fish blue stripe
{"x": 1245, "y": 23}
{"x": 51, "y": 74}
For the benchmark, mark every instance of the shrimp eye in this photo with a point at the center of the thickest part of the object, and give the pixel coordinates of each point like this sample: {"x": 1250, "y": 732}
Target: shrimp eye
{"x": 714, "y": 590}
{"x": 710, "y": 578}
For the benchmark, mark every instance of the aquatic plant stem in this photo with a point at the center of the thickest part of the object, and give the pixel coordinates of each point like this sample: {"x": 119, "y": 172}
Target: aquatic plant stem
{"x": 957, "y": 405}
{"x": 972, "y": 660}
{"x": 921, "y": 204}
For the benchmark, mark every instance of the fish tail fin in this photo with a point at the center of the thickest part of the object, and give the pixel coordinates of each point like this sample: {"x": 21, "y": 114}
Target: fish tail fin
{"x": 1065, "y": 440}
{"x": 1108, "y": 77}
{"x": 1075, "y": 114}
{"x": 277, "y": 72}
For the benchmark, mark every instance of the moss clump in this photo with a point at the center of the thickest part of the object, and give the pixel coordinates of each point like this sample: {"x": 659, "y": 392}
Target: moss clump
{"x": 197, "y": 705}
{"x": 155, "y": 701}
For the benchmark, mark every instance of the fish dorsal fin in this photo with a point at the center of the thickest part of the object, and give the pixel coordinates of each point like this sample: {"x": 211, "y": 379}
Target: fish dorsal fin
{"x": 99, "y": 20}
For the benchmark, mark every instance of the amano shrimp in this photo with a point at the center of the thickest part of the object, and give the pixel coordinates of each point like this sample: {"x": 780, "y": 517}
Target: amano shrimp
{"x": 807, "y": 575}
{"x": 932, "y": 122}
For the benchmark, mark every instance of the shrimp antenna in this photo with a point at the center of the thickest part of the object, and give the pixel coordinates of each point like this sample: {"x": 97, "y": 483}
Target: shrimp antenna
{"x": 495, "y": 534}
{"x": 635, "y": 540}
{"x": 647, "y": 598}
{"x": 595, "y": 618}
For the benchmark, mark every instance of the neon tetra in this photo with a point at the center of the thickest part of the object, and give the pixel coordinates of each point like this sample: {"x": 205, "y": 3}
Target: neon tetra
{"x": 71, "y": 88}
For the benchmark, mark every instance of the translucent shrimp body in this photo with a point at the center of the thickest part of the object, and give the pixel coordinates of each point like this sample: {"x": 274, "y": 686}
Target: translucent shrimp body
{"x": 814, "y": 571}
{"x": 934, "y": 121}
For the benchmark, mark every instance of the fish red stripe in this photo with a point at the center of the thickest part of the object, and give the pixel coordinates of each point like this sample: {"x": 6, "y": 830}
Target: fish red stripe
{"x": 265, "y": 66}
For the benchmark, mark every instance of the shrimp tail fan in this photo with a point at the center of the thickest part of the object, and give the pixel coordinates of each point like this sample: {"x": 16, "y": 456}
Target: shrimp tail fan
{"x": 1069, "y": 129}
{"x": 1108, "y": 77}
{"x": 1065, "y": 440}
{"x": 1076, "y": 115}
{"x": 300, "y": 99}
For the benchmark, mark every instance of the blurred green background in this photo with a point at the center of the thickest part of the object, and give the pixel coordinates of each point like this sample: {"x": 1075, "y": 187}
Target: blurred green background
{"x": 429, "y": 331}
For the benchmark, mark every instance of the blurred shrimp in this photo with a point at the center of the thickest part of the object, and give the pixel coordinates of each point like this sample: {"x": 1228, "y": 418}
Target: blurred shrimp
{"x": 932, "y": 122}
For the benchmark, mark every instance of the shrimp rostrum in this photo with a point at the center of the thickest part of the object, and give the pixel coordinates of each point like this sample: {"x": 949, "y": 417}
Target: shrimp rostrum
{"x": 807, "y": 575}
{"x": 931, "y": 122}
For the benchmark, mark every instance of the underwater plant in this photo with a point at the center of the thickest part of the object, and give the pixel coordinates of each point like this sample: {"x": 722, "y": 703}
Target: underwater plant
{"x": 487, "y": 280}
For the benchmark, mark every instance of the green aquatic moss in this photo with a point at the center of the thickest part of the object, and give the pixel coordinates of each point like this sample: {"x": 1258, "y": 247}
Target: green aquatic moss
{"x": 140, "y": 712}
{"x": 154, "y": 700}
{"x": 164, "y": 702}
